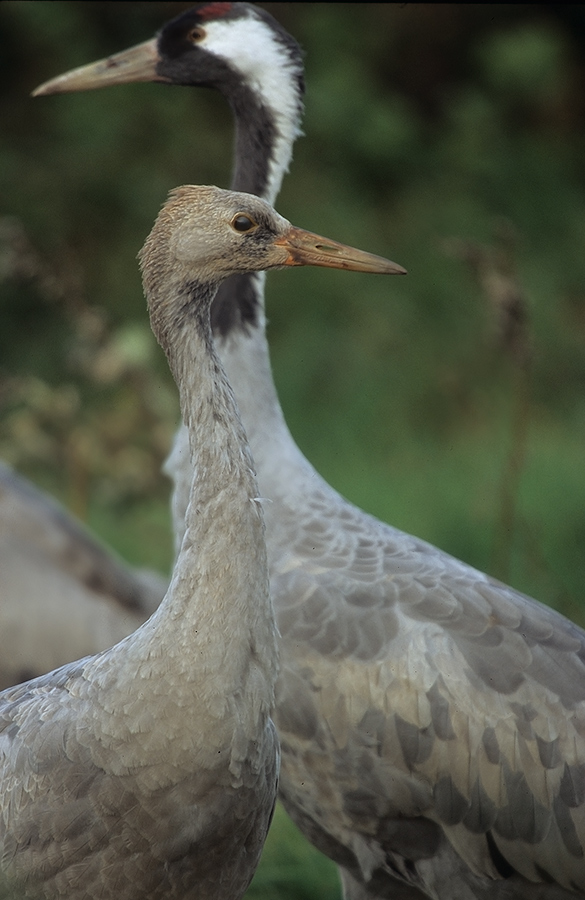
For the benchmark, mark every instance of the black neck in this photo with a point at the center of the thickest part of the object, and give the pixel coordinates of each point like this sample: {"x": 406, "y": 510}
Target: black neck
{"x": 238, "y": 303}
{"x": 263, "y": 137}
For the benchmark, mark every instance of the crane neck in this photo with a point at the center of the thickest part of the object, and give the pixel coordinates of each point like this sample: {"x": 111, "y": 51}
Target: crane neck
{"x": 267, "y": 112}
{"x": 217, "y": 609}
{"x": 210, "y": 648}
{"x": 266, "y": 98}
{"x": 219, "y": 449}
{"x": 266, "y": 126}
{"x": 280, "y": 464}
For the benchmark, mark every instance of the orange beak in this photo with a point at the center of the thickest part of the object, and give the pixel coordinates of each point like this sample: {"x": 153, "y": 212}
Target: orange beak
{"x": 306, "y": 249}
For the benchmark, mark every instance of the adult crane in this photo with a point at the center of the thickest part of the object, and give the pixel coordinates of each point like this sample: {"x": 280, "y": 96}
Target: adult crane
{"x": 431, "y": 719}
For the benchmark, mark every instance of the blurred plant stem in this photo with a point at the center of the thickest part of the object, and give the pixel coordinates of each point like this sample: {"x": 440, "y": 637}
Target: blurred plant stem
{"x": 495, "y": 272}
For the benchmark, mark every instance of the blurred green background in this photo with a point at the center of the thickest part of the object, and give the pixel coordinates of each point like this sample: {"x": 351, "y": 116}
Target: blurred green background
{"x": 450, "y": 403}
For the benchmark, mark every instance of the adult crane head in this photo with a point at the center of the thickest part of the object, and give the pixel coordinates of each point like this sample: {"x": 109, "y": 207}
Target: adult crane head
{"x": 220, "y": 45}
{"x": 245, "y": 54}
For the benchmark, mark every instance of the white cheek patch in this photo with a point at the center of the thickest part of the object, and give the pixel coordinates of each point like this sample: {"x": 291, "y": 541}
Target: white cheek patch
{"x": 249, "y": 46}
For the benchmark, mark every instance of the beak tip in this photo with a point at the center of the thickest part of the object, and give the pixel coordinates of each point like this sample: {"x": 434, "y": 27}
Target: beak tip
{"x": 47, "y": 88}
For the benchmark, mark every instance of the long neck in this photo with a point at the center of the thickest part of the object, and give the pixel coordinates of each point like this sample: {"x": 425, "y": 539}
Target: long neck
{"x": 208, "y": 654}
{"x": 217, "y": 611}
{"x": 224, "y": 538}
{"x": 263, "y": 153}
{"x": 265, "y": 134}
{"x": 245, "y": 355}
{"x": 267, "y": 121}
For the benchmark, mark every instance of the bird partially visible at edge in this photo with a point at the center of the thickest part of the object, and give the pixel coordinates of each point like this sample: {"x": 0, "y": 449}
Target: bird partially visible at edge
{"x": 432, "y": 720}
{"x": 63, "y": 594}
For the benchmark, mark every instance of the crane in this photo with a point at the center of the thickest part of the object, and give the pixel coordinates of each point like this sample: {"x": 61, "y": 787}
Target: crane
{"x": 150, "y": 769}
{"x": 431, "y": 719}
{"x": 62, "y": 593}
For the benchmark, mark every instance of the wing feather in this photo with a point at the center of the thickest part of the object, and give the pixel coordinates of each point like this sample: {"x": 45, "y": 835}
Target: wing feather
{"x": 453, "y": 695}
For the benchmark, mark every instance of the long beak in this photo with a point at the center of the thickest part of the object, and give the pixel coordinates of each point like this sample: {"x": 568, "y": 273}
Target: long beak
{"x": 306, "y": 249}
{"x": 136, "y": 64}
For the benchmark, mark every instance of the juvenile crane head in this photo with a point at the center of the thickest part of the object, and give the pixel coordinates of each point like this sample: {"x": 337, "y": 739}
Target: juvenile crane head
{"x": 204, "y": 234}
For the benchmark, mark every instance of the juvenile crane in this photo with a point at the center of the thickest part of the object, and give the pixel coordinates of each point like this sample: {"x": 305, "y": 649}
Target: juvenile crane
{"x": 150, "y": 770}
{"x": 431, "y": 719}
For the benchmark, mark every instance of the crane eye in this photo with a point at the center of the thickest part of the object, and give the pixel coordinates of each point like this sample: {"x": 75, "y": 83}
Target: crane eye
{"x": 243, "y": 223}
{"x": 196, "y": 35}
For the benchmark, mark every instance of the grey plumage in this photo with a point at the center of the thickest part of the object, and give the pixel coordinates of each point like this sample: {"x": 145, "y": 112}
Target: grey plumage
{"x": 150, "y": 770}
{"x": 62, "y": 594}
{"x": 450, "y": 700}
{"x": 431, "y": 719}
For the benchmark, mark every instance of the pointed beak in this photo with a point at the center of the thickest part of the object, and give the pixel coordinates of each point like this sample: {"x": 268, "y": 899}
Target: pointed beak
{"x": 136, "y": 64}
{"x": 306, "y": 249}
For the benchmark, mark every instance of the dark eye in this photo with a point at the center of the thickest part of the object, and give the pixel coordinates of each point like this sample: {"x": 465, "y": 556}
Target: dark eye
{"x": 196, "y": 34}
{"x": 243, "y": 223}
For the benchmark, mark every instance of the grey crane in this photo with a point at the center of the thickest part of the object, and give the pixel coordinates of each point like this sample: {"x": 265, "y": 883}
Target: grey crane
{"x": 150, "y": 769}
{"x": 62, "y": 593}
{"x": 431, "y": 719}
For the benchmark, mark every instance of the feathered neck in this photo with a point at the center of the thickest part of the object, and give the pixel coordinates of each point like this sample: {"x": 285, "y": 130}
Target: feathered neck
{"x": 265, "y": 91}
{"x": 213, "y": 608}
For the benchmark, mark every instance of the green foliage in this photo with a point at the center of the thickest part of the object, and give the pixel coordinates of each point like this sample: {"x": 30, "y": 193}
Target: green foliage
{"x": 450, "y": 402}
{"x": 291, "y": 869}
